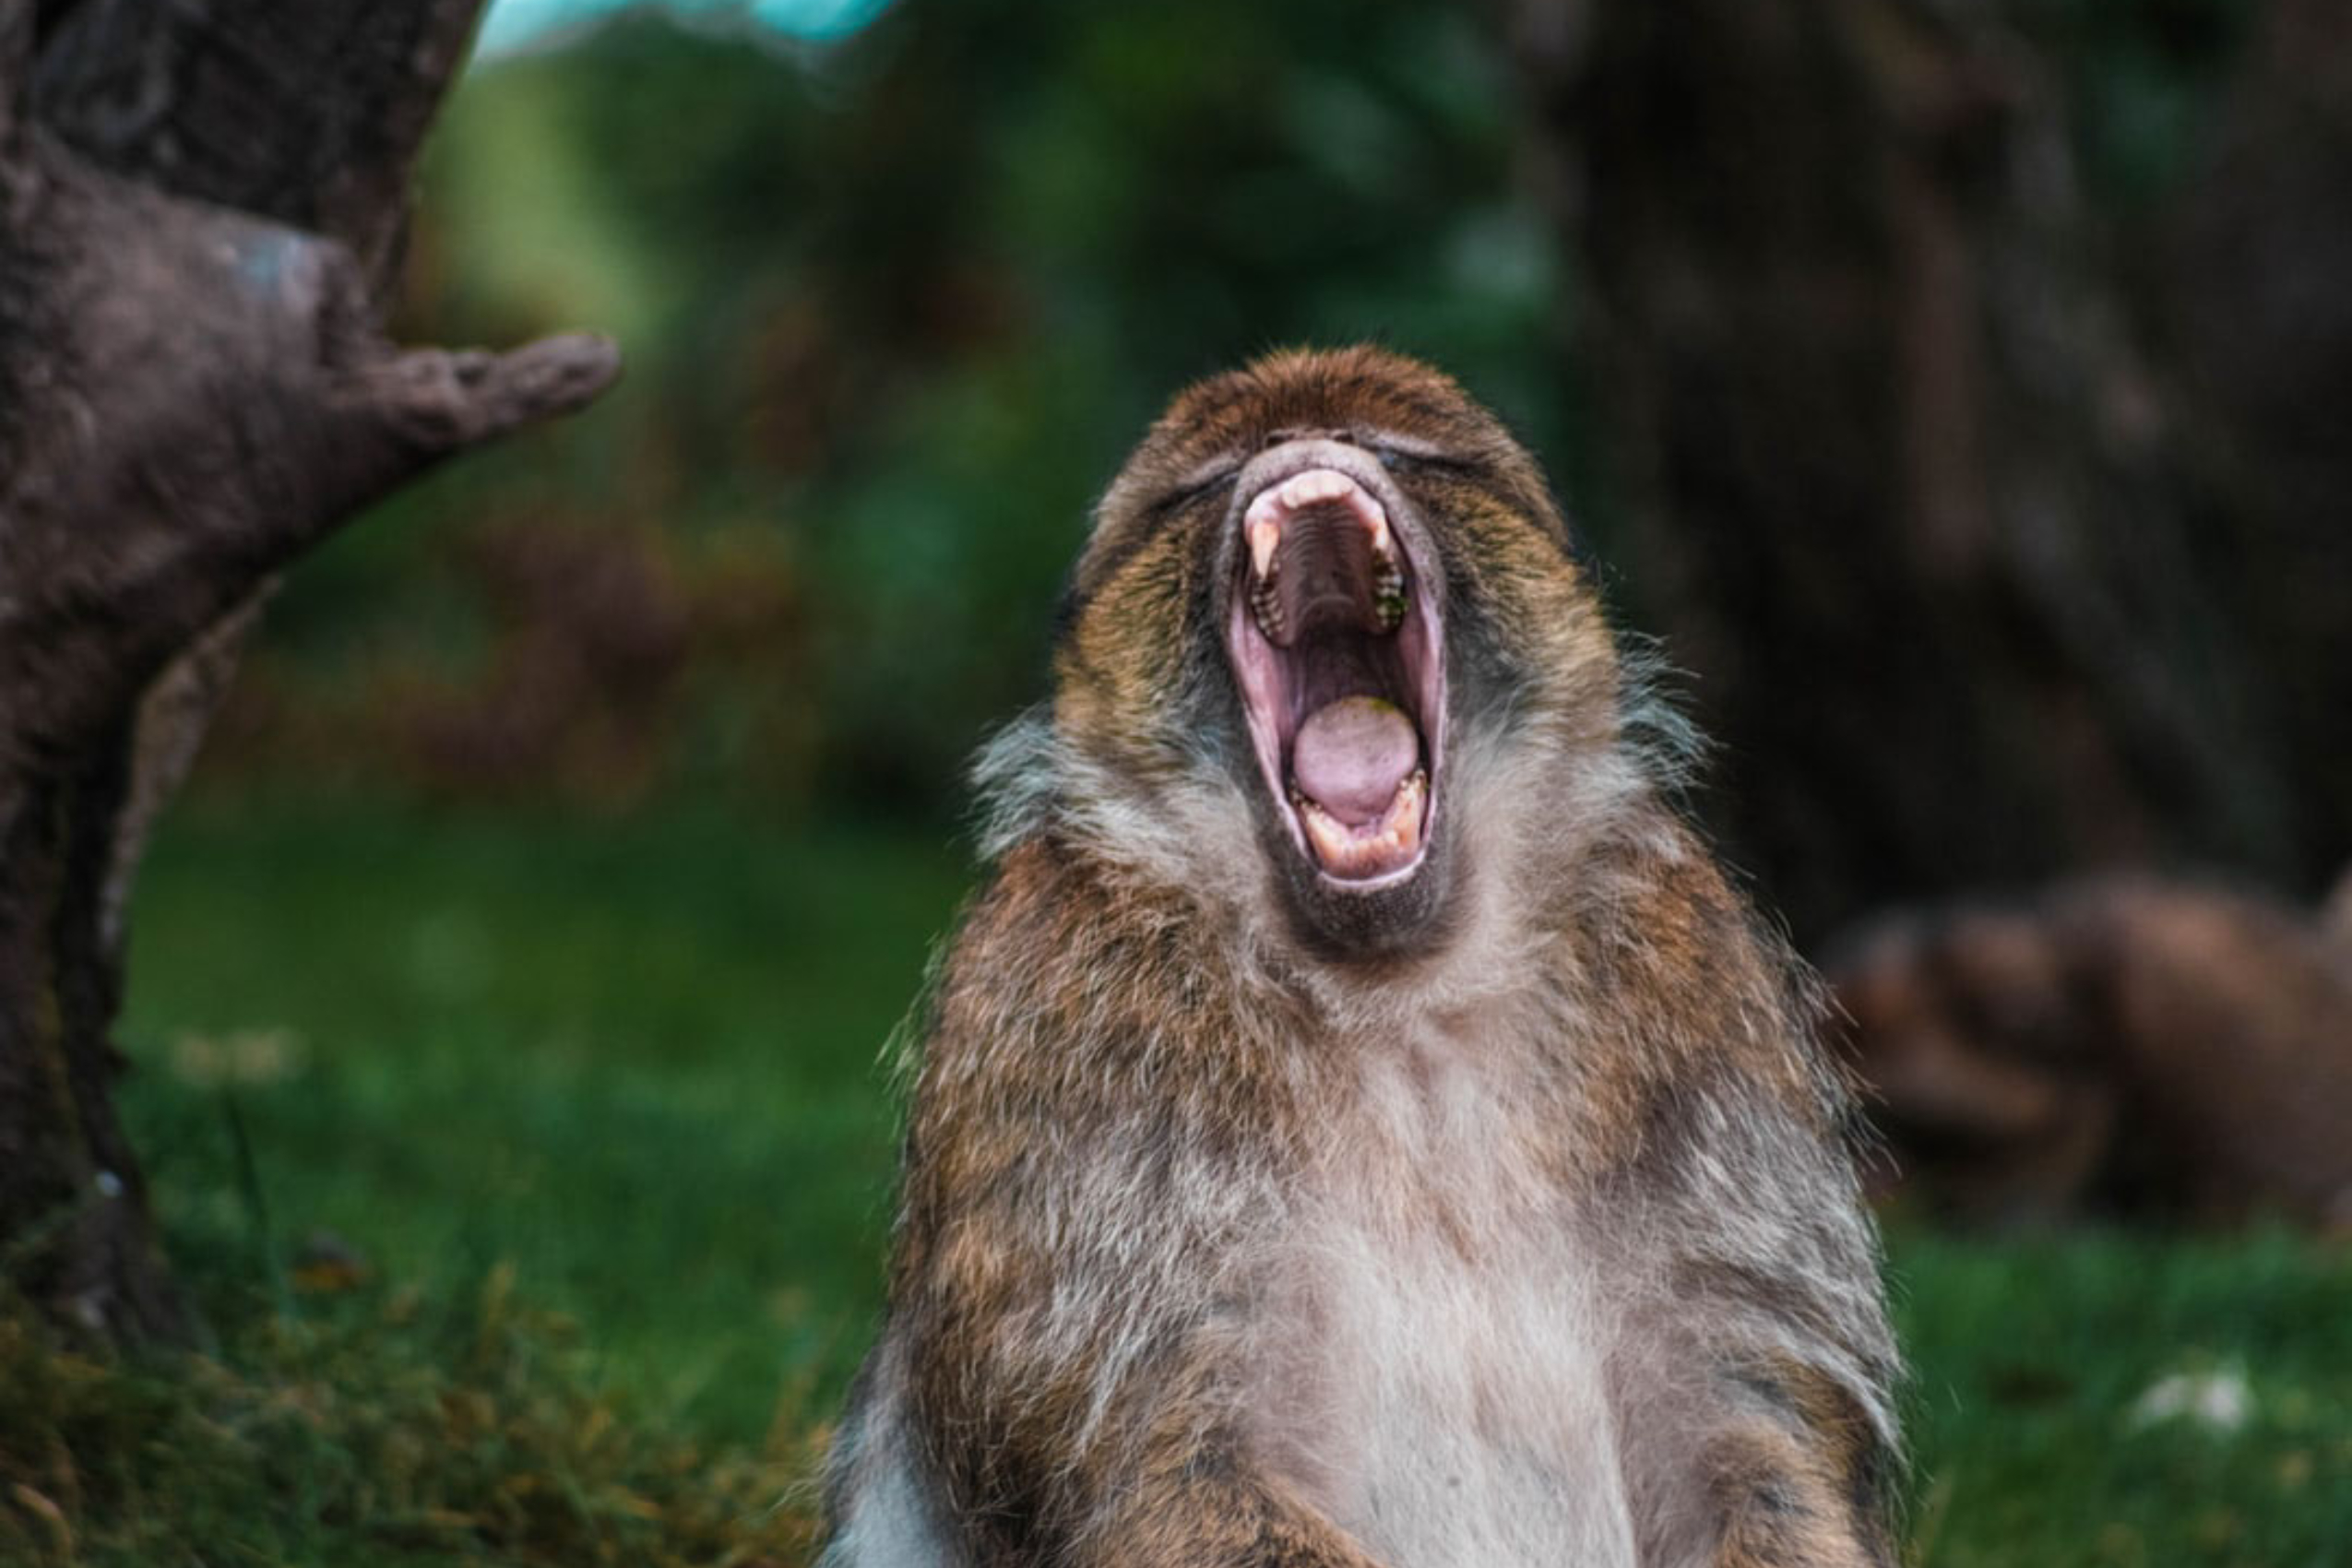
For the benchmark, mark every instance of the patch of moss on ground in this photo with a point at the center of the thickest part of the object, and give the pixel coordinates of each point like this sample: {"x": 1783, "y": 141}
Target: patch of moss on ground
{"x": 388, "y": 1429}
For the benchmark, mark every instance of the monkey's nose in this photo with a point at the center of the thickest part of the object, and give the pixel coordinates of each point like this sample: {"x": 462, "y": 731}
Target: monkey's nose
{"x": 1282, "y": 438}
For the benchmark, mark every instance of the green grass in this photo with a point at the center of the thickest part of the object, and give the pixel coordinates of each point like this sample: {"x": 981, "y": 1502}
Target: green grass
{"x": 2035, "y": 1437}
{"x": 598, "y": 1105}
{"x": 637, "y": 1062}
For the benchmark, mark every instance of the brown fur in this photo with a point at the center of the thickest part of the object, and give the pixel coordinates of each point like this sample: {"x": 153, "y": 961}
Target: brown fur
{"x": 1519, "y": 1230}
{"x": 2120, "y": 1045}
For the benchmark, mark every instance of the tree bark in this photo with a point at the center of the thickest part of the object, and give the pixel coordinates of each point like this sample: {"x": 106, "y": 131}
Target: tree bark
{"x": 1910, "y": 473}
{"x": 2248, "y": 272}
{"x": 199, "y": 203}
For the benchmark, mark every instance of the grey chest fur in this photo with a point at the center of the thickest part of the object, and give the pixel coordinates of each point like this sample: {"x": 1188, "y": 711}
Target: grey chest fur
{"x": 1437, "y": 1384}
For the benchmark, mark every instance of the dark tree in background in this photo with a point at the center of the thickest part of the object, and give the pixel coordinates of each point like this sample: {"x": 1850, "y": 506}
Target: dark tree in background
{"x": 2000, "y": 515}
{"x": 200, "y": 203}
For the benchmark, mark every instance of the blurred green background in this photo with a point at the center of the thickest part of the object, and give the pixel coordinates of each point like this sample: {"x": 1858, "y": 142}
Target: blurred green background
{"x": 894, "y": 310}
{"x": 580, "y": 824}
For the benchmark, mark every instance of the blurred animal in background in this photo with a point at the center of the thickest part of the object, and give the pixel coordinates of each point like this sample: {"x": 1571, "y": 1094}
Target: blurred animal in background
{"x": 2116, "y": 1045}
{"x": 1358, "y": 1123}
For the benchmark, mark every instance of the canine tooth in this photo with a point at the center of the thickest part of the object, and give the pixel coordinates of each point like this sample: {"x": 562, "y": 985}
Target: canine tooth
{"x": 1402, "y": 826}
{"x": 1265, "y": 534}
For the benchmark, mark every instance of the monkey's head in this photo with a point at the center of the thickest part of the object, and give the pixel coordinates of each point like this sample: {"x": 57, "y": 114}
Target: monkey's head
{"x": 1327, "y": 626}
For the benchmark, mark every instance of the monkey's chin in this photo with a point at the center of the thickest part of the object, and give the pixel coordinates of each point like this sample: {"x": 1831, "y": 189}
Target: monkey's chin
{"x": 1400, "y": 917}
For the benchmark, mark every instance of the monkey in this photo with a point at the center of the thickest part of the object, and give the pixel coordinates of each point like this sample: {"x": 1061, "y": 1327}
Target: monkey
{"x": 2115, "y": 1045}
{"x": 1357, "y": 1121}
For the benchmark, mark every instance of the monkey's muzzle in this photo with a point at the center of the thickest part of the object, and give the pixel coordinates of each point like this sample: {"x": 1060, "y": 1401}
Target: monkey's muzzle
{"x": 1335, "y": 647}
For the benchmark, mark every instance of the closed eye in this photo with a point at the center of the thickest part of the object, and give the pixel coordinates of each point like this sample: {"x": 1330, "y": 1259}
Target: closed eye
{"x": 1413, "y": 457}
{"x": 1177, "y": 499}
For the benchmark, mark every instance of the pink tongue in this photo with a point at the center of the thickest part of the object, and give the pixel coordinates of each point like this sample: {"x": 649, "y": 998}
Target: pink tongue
{"x": 1350, "y": 756}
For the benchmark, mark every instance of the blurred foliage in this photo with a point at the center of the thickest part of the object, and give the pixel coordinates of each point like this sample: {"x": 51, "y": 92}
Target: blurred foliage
{"x": 894, "y": 310}
{"x": 2150, "y": 77}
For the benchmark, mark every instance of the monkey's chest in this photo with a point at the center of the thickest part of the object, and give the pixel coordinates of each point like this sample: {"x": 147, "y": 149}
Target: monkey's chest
{"x": 1438, "y": 1386}
{"x": 1447, "y": 1410}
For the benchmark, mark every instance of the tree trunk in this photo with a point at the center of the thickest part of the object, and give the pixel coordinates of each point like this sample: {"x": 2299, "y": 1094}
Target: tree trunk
{"x": 2249, "y": 271}
{"x": 1909, "y": 473}
{"x": 199, "y": 202}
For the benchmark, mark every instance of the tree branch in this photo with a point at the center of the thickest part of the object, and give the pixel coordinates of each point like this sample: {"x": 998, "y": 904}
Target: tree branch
{"x": 251, "y": 407}
{"x": 429, "y": 402}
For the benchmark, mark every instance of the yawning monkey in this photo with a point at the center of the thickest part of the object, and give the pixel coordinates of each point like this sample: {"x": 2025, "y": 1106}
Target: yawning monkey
{"x": 1357, "y": 1123}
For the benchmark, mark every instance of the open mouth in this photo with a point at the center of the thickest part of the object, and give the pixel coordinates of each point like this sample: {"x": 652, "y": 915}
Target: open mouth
{"x": 1335, "y": 644}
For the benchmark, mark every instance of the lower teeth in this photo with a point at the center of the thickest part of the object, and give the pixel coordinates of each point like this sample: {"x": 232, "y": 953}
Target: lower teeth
{"x": 1342, "y": 847}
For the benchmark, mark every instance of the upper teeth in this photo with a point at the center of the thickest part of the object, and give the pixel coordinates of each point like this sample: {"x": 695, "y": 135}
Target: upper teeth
{"x": 1267, "y": 605}
{"x": 1277, "y": 505}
